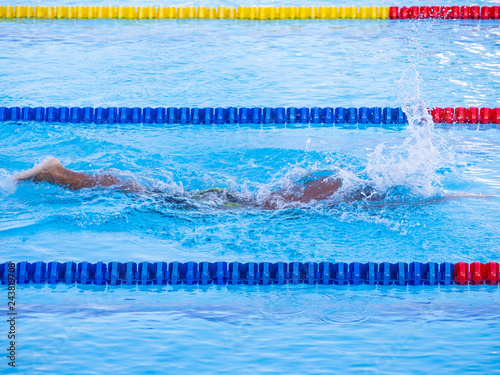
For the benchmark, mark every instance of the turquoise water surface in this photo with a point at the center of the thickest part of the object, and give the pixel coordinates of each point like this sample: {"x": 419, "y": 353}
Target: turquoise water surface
{"x": 422, "y": 169}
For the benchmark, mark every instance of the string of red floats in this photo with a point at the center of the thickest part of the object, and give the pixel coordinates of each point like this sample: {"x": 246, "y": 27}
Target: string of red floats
{"x": 463, "y": 115}
{"x": 477, "y": 273}
{"x": 445, "y": 12}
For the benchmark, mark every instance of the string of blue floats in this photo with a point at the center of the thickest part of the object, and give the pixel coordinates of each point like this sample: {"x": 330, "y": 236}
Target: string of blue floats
{"x": 210, "y": 115}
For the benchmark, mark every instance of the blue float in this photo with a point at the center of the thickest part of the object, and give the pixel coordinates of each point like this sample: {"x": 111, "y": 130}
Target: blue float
{"x": 316, "y": 115}
{"x": 26, "y": 114}
{"x": 100, "y": 116}
{"x": 3, "y": 113}
{"x": 232, "y": 115}
{"x": 268, "y": 118}
{"x": 329, "y": 115}
{"x": 219, "y": 116}
{"x": 256, "y": 115}
{"x": 304, "y": 115}
{"x": 136, "y": 115}
{"x": 291, "y": 114}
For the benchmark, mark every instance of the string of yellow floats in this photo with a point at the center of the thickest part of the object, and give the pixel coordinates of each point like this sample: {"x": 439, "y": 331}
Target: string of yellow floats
{"x": 247, "y": 13}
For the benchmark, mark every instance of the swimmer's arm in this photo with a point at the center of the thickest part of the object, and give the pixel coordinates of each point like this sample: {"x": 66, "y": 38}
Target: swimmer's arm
{"x": 53, "y": 172}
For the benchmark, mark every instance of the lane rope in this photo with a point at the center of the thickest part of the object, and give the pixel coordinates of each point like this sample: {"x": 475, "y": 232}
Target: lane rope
{"x": 263, "y": 273}
{"x": 243, "y": 115}
{"x": 249, "y": 13}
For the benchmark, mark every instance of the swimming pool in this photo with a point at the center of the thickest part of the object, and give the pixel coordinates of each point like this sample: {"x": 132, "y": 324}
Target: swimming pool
{"x": 270, "y": 329}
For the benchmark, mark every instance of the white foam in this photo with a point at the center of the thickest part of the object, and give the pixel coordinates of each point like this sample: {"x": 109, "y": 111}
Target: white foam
{"x": 414, "y": 163}
{"x": 7, "y": 183}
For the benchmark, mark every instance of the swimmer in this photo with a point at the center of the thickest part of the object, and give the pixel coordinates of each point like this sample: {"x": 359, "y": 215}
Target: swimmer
{"x": 311, "y": 190}
{"x": 53, "y": 172}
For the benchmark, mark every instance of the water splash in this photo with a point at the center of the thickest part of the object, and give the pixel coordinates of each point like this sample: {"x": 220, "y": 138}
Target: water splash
{"x": 406, "y": 171}
{"x": 412, "y": 167}
{"x": 7, "y": 183}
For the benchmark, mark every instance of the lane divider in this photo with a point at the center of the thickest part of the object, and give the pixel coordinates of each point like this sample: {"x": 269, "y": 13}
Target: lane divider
{"x": 250, "y": 13}
{"x": 264, "y": 273}
{"x": 243, "y": 115}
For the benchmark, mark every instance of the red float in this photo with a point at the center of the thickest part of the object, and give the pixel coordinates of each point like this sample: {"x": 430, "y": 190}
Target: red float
{"x": 474, "y": 12}
{"x": 393, "y": 13}
{"x": 414, "y": 13}
{"x": 465, "y": 12}
{"x": 455, "y": 12}
{"x": 434, "y": 12}
{"x": 485, "y": 13}
{"x": 495, "y": 12}
{"x": 461, "y": 115}
{"x": 490, "y": 273}
{"x": 445, "y": 12}
{"x": 461, "y": 273}
{"x": 424, "y": 12}
{"x": 437, "y": 115}
{"x": 473, "y": 115}
{"x": 485, "y": 115}
{"x": 495, "y": 117}
{"x": 403, "y": 13}
{"x": 476, "y": 273}
{"x": 448, "y": 115}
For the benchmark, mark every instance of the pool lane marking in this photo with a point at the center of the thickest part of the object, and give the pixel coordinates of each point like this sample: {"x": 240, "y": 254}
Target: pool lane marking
{"x": 249, "y": 13}
{"x": 244, "y": 115}
{"x": 252, "y": 273}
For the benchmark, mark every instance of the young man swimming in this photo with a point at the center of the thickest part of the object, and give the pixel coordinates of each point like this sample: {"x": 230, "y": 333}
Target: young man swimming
{"x": 310, "y": 190}
{"x": 53, "y": 172}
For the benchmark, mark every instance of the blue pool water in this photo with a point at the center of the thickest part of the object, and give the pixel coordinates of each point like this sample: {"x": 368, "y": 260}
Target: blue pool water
{"x": 253, "y": 329}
